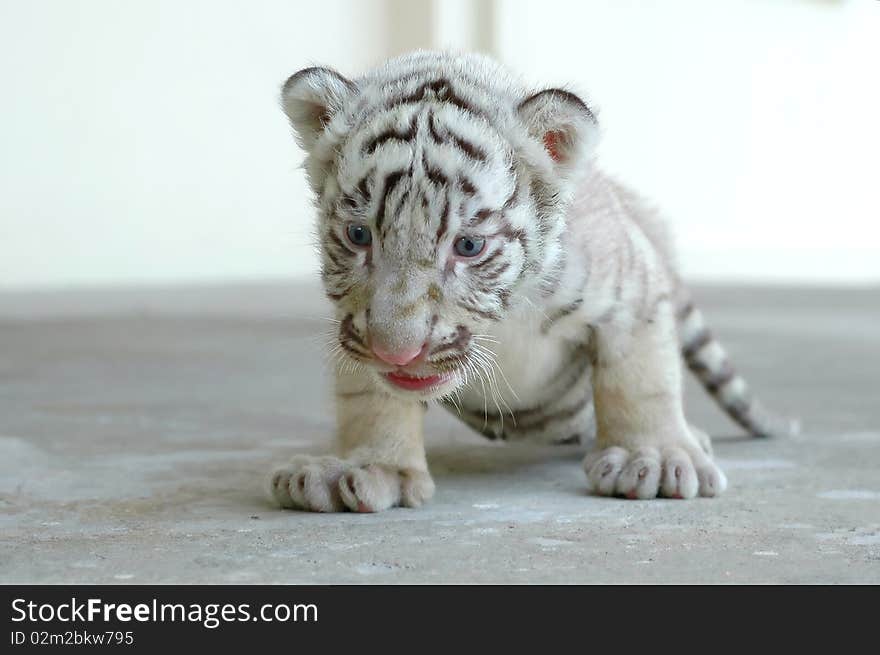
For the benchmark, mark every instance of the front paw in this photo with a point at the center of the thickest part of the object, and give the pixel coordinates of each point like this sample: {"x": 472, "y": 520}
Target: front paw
{"x": 680, "y": 471}
{"x": 330, "y": 484}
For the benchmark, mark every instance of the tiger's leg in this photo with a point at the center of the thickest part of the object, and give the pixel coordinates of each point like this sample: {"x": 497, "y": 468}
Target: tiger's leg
{"x": 381, "y": 460}
{"x": 644, "y": 446}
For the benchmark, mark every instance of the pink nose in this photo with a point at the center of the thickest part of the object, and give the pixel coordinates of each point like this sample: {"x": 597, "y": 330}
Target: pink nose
{"x": 398, "y": 357}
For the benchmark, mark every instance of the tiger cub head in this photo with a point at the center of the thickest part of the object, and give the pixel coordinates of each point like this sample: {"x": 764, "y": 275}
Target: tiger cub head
{"x": 441, "y": 187}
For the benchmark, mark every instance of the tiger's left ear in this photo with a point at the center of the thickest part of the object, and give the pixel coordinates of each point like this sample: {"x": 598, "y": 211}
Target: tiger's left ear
{"x": 564, "y": 124}
{"x": 310, "y": 98}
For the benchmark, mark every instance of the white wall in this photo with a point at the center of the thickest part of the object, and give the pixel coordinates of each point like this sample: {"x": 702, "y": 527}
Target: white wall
{"x": 753, "y": 125}
{"x": 141, "y": 141}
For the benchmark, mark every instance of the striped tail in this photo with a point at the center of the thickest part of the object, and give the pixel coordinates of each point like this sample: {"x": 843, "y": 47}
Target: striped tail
{"x": 707, "y": 359}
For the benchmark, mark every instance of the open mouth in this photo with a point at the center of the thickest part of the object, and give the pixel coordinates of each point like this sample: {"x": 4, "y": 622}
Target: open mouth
{"x": 411, "y": 383}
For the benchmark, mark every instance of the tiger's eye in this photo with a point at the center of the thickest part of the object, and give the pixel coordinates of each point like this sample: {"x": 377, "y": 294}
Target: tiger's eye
{"x": 469, "y": 246}
{"x": 359, "y": 235}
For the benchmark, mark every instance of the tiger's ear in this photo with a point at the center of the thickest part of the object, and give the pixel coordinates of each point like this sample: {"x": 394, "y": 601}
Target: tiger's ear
{"x": 310, "y": 98}
{"x": 564, "y": 124}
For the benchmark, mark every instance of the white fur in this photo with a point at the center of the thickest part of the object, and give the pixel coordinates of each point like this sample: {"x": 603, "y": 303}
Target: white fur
{"x": 575, "y": 269}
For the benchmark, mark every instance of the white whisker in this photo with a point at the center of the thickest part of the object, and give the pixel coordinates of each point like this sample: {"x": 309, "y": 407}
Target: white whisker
{"x": 488, "y": 363}
{"x": 494, "y": 360}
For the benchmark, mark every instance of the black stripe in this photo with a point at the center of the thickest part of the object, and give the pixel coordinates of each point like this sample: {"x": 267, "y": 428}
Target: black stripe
{"x": 391, "y": 181}
{"x": 488, "y": 259}
{"x": 551, "y": 285}
{"x": 568, "y": 375}
{"x": 482, "y": 216}
{"x": 533, "y": 418}
{"x": 458, "y": 358}
{"x": 468, "y": 148}
{"x": 704, "y": 336}
{"x": 488, "y": 277}
{"x": 515, "y": 235}
{"x": 347, "y": 346}
{"x": 717, "y": 379}
{"x": 503, "y": 294}
{"x": 339, "y": 244}
{"x": 434, "y": 174}
{"x": 440, "y": 90}
{"x": 432, "y": 129}
{"x": 466, "y": 185}
{"x": 403, "y": 198}
{"x": 328, "y": 271}
{"x": 740, "y": 411}
{"x": 561, "y": 415}
{"x": 476, "y": 311}
{"x": 338, "y": 264}
{"x": 444, "y": 220}
{"x": 392, "y": 134}
{"x": 348, "y": 330}
{"x": 471, "y": 150}
{"x": 511, "y": 201}
{"x": 685, "y": 311}
{"x": 560, "y": 314}
{"x": 362, "y": 186}
{"x": 545, "y": 198}
{"x": 339, "y": 296}
{"x": 459, "y": 342}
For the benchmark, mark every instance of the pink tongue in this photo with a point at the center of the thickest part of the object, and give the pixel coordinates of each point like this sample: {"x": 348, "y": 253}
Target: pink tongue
{"x": 408, "y": 382}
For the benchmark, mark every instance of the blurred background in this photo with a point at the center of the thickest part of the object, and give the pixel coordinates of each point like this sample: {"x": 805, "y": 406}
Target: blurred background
{"x": 162, "y": 335}
{"x": 141, "y": 141}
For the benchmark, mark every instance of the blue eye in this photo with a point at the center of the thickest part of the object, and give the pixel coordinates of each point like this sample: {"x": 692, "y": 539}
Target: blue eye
{"x": 359, "y": 235}
{"x": 469, "y": 246}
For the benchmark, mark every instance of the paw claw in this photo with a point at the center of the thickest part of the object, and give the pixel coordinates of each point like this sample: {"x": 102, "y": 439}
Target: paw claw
{"x": 329, "y": 484}
{"x": 682, "y": 471}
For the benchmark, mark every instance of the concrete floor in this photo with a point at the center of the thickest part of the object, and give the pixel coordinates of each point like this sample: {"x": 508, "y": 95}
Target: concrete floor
{"x": 136, "y": 429}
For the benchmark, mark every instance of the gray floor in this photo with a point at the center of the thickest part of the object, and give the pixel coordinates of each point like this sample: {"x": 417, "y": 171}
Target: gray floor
{"x": 136, "y": 429}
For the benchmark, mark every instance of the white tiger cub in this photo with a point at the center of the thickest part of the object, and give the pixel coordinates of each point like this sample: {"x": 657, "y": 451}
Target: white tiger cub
{"x": 476, "y": 256}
